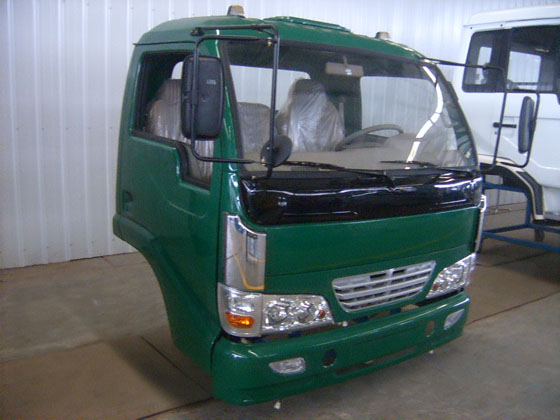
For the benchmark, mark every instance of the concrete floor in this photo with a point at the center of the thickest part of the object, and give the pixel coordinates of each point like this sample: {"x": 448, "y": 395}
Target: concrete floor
{"x": 89, "y": 339}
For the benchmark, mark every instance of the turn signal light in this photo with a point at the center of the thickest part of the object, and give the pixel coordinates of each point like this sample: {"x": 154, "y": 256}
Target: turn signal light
{"x": 240, "y": 321}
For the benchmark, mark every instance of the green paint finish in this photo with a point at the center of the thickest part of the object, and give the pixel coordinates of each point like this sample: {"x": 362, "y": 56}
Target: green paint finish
{"x": 379, "y": 343}
{"x": 183, "y": 222}
{"x": 289, "y": 28}
{"x": 193, "y": 327}
{"x": 312, "y": 247}
{"x": 179, "y": 30}
{"x": 308, "y": 22}
{"x": 174, "y": 223}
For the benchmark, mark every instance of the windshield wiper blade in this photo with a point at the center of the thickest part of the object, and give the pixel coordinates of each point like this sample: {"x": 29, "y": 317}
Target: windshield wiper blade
{"x": 412, "y": 162}
{"x": 455, "y": 169}
{"x": 431, "y": 165}
{"x": 331, "y": 167}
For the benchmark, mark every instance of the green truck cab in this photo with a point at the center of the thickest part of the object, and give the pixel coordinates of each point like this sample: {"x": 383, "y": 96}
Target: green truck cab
{"x": 309, "y": 199}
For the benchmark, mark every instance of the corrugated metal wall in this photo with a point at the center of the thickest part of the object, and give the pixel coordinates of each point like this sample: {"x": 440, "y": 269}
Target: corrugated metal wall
{"x": 63, "y": 75}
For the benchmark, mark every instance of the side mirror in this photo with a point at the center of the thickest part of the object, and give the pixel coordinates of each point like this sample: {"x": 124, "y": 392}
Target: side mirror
{"x": 526, "y": 125}
{"x": 202, "y": 100}
{"x": 280, "y": 153}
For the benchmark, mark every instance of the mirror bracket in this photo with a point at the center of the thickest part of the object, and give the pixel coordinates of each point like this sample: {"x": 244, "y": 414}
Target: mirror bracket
{"x": 268, "y": 29}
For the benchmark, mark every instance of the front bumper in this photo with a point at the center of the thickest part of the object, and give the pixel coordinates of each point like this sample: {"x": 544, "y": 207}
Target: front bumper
{"x": 242, "y": 374}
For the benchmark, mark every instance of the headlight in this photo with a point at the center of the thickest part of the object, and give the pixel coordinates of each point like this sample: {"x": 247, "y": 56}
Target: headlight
{"x": 454, "y": 277}
{"x": 246, "y": 314}
{"x": 294, "y": 312}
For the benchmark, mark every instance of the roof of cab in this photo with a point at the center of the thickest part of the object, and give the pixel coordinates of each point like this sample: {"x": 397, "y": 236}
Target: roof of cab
{"x": 513, "y": 15}
{"x": 289, "y": 28}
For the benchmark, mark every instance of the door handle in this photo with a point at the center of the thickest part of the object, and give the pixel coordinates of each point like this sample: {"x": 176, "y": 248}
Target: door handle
{"x": 497, "y": 125}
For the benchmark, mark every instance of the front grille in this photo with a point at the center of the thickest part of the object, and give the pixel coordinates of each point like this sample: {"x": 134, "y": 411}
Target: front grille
{"x": 372, "y": 289}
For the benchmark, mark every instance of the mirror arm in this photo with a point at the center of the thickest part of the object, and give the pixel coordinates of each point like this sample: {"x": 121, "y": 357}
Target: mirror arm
{"x": 468, "y": 65}
{"x": 199, "y": 31}
{"x": 275, "y": 63}
{"x": 499, "y": 134}
{"x": 219, "y": 160}
{"x": 194, "y": 100}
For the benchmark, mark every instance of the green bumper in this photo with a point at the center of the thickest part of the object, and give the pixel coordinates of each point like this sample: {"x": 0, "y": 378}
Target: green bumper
{"x": 242, "y": 375}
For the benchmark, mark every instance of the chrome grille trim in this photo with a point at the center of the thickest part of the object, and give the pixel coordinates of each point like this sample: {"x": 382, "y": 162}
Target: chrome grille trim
{"x": 371, "y": 289}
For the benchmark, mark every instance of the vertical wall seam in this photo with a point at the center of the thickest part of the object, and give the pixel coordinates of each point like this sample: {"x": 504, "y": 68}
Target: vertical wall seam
{"x": 85, "y": 128}
{"x": 128, "y": 27}
{"x": 106, "y": 77}
{"x": 12, "y": 94}
{"x": 127, "y": 37}
{"x": 171, "y": 10}
{"x": 39, "y": 130}
{"x": 61, "y": 33}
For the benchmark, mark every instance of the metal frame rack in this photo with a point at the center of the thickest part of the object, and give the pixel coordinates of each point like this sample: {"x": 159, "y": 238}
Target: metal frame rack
{"x": 539, "y": 229}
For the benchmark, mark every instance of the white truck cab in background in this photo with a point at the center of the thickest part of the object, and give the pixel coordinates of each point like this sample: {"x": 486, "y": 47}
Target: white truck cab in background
{"x": 525, "y": 43}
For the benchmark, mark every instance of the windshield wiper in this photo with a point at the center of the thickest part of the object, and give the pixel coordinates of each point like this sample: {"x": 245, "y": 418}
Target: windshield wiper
{"x": 412, "y": 162}
{"x": 331, "y": 167}
{"x": 431, "y": 165}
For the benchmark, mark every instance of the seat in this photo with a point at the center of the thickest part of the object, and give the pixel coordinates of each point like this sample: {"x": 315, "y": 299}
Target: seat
{"x": 164, "y": 112}
{"x": 309, "y": 118}
{"x": 164, "y": 120}
{"x": 254, "y": 121}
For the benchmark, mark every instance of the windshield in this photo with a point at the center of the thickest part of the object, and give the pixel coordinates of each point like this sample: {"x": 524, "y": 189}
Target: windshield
{"x": 352, "y": 110}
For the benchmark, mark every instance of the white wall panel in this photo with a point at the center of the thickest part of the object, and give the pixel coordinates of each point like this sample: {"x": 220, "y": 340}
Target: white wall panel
{"x": 10, "y": 222}
{"x": 65, "y": 64}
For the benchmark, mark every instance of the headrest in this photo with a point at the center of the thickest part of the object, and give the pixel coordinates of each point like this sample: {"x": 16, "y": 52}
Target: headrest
{"x": 307, "y": 86}
{"x": 170, "y": 90}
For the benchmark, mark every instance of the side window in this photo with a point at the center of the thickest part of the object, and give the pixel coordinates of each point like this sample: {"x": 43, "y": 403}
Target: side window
{"x": 528, "y": 55}
{"x": 485, "y": 49}
{"x": 158, "y": 109}
{"x": 533, "y": 58}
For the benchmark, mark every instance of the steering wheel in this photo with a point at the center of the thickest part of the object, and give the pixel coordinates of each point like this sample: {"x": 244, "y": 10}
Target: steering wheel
{"x": 348, "y": 140}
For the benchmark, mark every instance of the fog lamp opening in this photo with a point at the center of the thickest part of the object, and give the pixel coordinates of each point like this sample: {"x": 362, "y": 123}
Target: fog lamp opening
{"x": 289, "y": 366}
{"x": 452, "y": 319}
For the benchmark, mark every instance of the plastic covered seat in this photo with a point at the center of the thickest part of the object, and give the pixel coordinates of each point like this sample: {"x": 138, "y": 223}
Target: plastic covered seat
{"x": 254, "y": 121}
{"x": 164, "y": 120}
{"x": 309, "y": 118}
{"x": 164, "y": 112}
